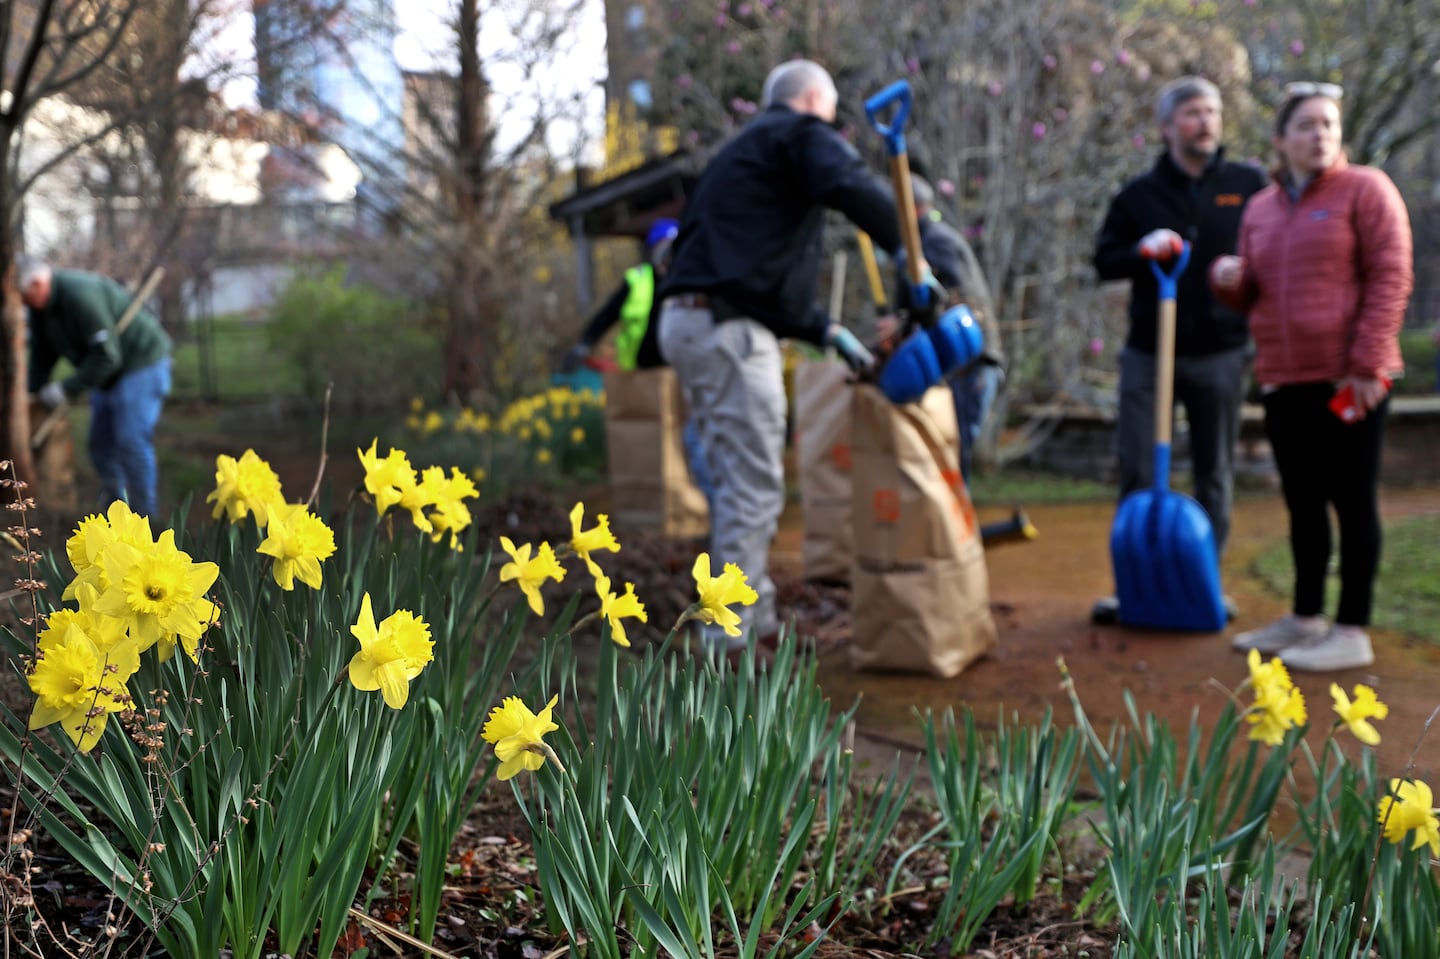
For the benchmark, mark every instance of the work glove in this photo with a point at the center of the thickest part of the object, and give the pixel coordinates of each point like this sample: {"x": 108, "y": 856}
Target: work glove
{"x": 851, "y": 350}
{"x": 1161, "y": 245}
{"x": 936, "y": 300}
{"x": 52, "y": 394}
{"x": 572, "y": 360}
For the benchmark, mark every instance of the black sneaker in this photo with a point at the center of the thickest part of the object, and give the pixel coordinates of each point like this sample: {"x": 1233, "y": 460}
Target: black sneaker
{"x": 1106, "y": 611}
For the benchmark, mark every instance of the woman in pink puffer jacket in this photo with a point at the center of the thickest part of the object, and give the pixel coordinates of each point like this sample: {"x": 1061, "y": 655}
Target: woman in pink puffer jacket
{"x": 1324, "y": 270}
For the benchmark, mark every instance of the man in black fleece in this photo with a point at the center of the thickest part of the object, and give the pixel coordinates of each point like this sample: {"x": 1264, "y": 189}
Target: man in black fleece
{"x": 744, "y": 273}
{"x": 1192, "y": 194}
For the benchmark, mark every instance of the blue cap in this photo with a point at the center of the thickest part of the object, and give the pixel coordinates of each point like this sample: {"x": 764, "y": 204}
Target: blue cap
{"x": 957, "y": 337}
{"x": 660, "y": 231}
{"x": 911, "y": 370}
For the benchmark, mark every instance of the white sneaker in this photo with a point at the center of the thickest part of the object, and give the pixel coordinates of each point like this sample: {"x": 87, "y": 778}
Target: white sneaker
{"x": 1343, "y": 647}
{"x": 1285, "y": 632}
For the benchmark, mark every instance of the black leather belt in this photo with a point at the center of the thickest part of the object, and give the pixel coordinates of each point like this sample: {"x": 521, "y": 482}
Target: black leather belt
{"x": 718, "y": 308}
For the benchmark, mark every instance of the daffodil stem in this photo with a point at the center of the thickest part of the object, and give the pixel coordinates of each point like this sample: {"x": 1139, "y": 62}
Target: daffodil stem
{"x": 585, "y": 620}
{"x": 693, "y": 613}
{"x": 543, "y": 748}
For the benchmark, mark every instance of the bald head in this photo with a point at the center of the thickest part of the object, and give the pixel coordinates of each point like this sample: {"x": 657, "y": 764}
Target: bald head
{"x": 804, "y": 86}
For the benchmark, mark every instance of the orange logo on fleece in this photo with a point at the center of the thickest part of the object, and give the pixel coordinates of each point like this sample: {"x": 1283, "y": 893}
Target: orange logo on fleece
{"x": 1229, "y": 199}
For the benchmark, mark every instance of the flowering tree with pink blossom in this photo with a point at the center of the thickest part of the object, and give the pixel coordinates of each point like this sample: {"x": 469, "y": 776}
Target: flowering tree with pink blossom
{"x": 1030, "y": 115}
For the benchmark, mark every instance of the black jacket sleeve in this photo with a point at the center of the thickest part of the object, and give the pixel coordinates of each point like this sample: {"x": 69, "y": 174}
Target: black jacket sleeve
{"x": 1117, "y": 248}
{"x": 840, "y": 180}
{"x": 607, "y": 316}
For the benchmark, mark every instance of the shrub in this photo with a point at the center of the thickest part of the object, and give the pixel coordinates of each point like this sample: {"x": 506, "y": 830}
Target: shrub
{"x": 374, "y": 348}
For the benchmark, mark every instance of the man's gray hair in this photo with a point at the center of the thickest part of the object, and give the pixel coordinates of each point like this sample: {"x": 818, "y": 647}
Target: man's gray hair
{"x": 792, "y": 79}
{"x": 923, "y": 193}
{"x": 28, "y": 269}
{"x": 1181, "y": 91}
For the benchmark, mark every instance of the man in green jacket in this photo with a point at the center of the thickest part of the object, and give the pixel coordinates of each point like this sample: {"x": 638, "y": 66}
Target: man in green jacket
{"x": 126, "y": 368}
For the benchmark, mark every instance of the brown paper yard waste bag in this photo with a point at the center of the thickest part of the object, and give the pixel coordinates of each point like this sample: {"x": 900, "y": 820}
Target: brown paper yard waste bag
{"x": 650, "y": 484}
{"x": 920, "y": 593}
{"x": 822, "y": 458}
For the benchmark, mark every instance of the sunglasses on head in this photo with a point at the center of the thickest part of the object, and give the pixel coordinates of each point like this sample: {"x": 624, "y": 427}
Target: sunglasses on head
{"x": 1306, "y": 88}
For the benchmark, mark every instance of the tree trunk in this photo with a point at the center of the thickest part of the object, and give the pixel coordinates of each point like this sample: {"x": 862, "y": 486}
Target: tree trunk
{"x": 15, "y": 424}
{"x": 466, "y": 341}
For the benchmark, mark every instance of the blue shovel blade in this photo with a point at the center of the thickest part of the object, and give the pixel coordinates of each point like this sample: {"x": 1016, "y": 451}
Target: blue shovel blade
{"x": 1167, "y": 572}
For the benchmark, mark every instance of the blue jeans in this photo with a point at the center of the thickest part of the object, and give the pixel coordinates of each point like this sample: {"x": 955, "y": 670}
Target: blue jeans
{"x": 974, "y": 395}
{"x": 695, "y": 458}
{"x": 122, "y": 435}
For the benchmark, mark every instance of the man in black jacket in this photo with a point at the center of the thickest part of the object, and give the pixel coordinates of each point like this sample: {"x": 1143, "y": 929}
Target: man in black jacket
{"x": 744, "y": 272}
{"x": 1192, "y": 194}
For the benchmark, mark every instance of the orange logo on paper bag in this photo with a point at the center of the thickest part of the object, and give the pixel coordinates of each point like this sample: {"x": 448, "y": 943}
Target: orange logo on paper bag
{"x": 887, "y": 506}
{"x": 964, "y": 509}
{"x": 840, "y": 456}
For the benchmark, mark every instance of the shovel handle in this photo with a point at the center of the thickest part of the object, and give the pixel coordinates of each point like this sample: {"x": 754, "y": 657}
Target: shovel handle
{"x": 1165, "y": 363}
{"x": 1168, "y": 279}
{"x": 872, "y": 271}
{"x": 898, "y": 94}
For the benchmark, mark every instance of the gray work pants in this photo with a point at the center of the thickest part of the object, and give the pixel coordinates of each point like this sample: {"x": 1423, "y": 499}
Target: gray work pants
{"x": 732, "y": 377}
{"x": 1211, "y": 388}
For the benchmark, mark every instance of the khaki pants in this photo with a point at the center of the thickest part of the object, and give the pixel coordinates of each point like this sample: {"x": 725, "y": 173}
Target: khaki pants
{"x": 732, "y": 377}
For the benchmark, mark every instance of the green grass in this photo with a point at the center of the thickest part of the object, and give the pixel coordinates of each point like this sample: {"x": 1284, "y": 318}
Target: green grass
{"x": 236, "y": 363}
{"x": 1026, "y": 487}
{"x": 1407, "y": 591}
{"x": 1419, "y": 351}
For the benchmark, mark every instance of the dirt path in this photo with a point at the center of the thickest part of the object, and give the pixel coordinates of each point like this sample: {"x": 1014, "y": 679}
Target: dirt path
{"x": 1042, "y": 592}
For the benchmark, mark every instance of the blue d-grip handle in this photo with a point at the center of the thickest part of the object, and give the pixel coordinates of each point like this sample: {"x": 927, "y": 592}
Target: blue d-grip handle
{"x": 1167, "y": 280}
{"x": 897, "y": 93}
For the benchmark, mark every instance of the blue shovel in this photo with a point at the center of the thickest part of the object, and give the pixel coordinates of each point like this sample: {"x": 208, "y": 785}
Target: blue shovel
{"x": 1162, "y": 546}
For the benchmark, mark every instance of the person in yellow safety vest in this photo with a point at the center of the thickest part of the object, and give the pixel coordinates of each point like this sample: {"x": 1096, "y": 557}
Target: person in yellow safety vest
{"x": 631, "y": 306}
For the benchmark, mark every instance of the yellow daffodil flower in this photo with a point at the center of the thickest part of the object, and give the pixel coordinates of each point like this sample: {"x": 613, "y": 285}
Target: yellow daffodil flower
{"x": 106, "y": 632}
{"x": 298, "y": 541}
{"x": 451, "y": 515}
{"x": 120, "y": 524}
{"x": 598, "y": 537}
{"x": 717, "y": 593}
{"x": 419, "y": 497}
{"x": 1278, "y": 705}
{"x": 386, "y": 479}
{"x": 391, "y": 654}
{"x": 244, "y": 487}
{"x": 517, "y": 735}
{"x": 616, "y": 607}
{"x": 159, "y": 592}
{"x": 78, "y": 686}
{"x": 577, "y": 435}
{"x": 1356, "y": 715}
{"x": 530, "y": 574}
{"x": 1409, "y": 806}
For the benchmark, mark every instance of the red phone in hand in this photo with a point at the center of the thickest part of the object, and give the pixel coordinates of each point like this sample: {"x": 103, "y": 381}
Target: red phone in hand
{"x": 1343, "y": 404}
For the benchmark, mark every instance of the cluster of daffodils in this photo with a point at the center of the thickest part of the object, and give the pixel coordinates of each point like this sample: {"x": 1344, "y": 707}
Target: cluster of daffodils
{"x": 132, "y": 591}
{"x": 1279, "y": 707}
{"x": 549, "y": 419}
{"x": 396, "y": 650}
{"x": 296, "y": 540}
{"x": 435, "y": 501}
{"x": 513, "y": 729}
